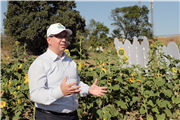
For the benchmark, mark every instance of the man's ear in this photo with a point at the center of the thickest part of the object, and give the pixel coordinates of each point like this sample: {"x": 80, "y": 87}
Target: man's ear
{"x": 48, "y": 40}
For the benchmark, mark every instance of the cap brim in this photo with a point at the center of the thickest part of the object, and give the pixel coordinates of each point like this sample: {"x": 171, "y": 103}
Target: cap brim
{"x": 69, "y": 32}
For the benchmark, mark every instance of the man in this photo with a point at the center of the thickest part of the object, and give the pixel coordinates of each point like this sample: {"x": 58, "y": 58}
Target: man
{"x": 54, "y": 82}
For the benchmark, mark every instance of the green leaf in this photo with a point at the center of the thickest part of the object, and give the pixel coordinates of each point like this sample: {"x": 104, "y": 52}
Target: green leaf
{"x": 74, "y": 57}
{"x": 149, "y": 93}
{"x": 163, "y": 103}
{"x": 160, "y": 117}
{"x": 116, "y": 87}
{"x": 113, "y": 111}
{"x": 168, "y": 112}
{"x": 99, "y": 102}
{"x": 121, "y": 90}
{"x": 170, "y": 85}
{"x": 175, "y": 100}
{"x": 149, "y": 117}
{"x": 107, "y": 116}
{"x": 83, "y": 56}
{"x": 107, "y": 108}
{"x": 89, "y": 74}
{"x": 100, "y": 113}
{"x": 169, "y": 105}
{"x": 168, "y": 93}
{"x": 126, "y": 87}
{"x": 159, "y": 83}
{"x": 122, "y": 104}
{"x": 16, "y": 117}
{"x": 135, "y": 98}
{"x": 134, "y": 85}
{"x": 142, "y": 110}
{"x": 155, "y": 109}
{"x": 150, "y": 103}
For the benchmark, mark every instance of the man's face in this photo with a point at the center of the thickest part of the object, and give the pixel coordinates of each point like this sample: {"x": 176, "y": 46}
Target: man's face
{"x": 58, "y": 43}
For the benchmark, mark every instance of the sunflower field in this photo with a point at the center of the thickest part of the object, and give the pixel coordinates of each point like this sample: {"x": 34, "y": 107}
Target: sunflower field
{"x": 133, "y": 92}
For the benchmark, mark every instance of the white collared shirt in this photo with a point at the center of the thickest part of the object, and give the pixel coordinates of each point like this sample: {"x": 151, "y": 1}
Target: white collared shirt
{"x": 45, "y": 76}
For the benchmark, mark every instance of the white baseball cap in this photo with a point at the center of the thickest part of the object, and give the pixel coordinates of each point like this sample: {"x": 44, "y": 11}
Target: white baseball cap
{"x": 56, "y": 29}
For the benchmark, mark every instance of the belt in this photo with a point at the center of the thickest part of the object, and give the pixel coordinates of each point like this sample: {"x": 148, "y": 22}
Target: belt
{"x": 55, "y": 113}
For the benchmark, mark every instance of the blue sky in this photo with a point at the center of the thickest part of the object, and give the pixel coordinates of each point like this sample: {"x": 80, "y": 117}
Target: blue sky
{"x": 166, "y": 14}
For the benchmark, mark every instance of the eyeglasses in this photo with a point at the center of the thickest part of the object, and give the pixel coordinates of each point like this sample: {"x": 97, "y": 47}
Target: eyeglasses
{"x": 60, "y": 36}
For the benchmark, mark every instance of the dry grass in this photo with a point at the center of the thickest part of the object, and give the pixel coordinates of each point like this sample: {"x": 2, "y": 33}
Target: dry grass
{"x": 166, "y": 40}
{"x": 6, "y": 47}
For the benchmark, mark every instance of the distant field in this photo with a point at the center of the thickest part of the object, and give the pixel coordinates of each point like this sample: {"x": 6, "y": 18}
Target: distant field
{"x": 166, "y": 40}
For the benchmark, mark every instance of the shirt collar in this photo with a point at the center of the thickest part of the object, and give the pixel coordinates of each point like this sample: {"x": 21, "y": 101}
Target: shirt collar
{"x": 54, "y": 56}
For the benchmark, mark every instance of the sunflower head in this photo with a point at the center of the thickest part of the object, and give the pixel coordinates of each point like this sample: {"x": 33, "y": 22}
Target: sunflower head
{"x": 79, "y": 66}
{"x": 103, "y": 70}
{"x": 125, "y": 58}
{"x": 121, "y": 51}
{"x": 174, "y": 70}
{"x": 2, "y": 92}
{"x": 3, "y": 104}
{"x": 67, "y": 52}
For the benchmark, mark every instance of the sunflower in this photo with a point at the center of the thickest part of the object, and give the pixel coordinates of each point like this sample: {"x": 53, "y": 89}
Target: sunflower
{"x": 9, "y": 85}
{"x": 79, "y": 66}
{"x": 131, "y": 80}
{"x": 91, "y": 69}
{"x": 3, "y": 104}
{"x": 139, "y": 80}
{"x": 125, "y": 58}
{"x": 133, "y": 74}
{"x": 101, "y": 65}
{"x": 16, "y": 42}
{"x": 174, "y": 70}
{"x": 104, "y": 70}
{"x": 7, "y": 58}
{"x": 19, "y": 100}
{"x": 121, "y": 51}
{"x": 18, "y": 87}
{"x": 67, "y": 52}
{"x": 2, "y": 92}
{"x": 26, "y": 79}
{"x": 20, "y": 66}
{"x": 83, "y": 64}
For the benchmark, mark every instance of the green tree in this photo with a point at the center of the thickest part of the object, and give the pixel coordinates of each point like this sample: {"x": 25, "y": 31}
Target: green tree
{"x": 131, "y": 21}
{"x": 97, "y": 33}
{"x": 27, "y": 21}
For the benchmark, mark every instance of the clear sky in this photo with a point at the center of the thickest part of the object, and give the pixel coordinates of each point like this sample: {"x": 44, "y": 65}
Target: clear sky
{"x": 166, "y": 14}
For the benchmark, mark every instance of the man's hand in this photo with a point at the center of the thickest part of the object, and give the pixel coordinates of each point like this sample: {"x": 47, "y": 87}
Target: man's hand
{"x": 67, "y": 89}
{"x": 96, "y": 90}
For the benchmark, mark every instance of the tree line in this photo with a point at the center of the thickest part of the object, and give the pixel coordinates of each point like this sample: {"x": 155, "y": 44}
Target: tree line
{"x": 27, "y": 22}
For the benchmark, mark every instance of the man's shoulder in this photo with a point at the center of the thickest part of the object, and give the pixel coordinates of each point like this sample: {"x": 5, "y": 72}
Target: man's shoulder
{"x": 70, "y": 59}
{"x": 43, "y": 58}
